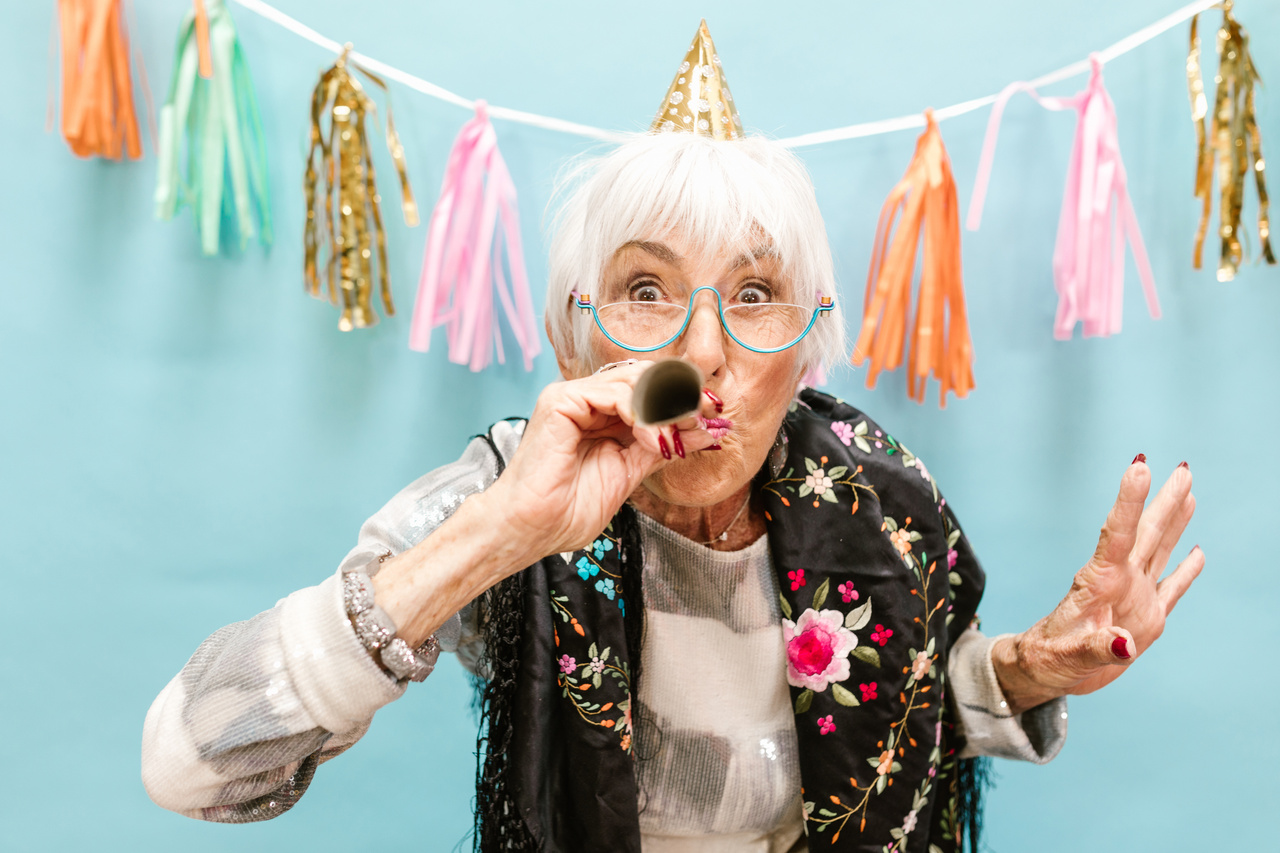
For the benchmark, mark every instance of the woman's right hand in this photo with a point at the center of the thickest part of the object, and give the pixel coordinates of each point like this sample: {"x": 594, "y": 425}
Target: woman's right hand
{"x": 581, "y": 456}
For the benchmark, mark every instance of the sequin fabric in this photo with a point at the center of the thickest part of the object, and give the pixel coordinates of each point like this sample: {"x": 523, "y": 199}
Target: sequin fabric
{"x": 238, "y": 734}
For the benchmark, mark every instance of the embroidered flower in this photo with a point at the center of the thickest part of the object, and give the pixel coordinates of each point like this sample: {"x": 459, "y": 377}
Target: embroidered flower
{"x": 797, "y": 579}
{"x": 924, "y": 472}
{"x": 622, "y": 605}
{"x": 605, "y": 586}
{"x": 886, "y": 762}
{"x": 881, "y": 635}
{"x": 952, "y": 556}
{"x": 586, "y": 568}
{"x": 844, "y": 432}
{"x": 818, "y": 647}
{"x": 567, "y": 664}
{"x": 920, "y": 666}
{"x": 597, "y": 665}
{"x": 901, "y": 539}
{"x": 868, "y": 691}
{"x": 847, "y": 592}
{"x": 818, "y": 481}
{"x": 826, "y": 725}
{"x": 909, "y": 823}
{"x": 602, "y": 546}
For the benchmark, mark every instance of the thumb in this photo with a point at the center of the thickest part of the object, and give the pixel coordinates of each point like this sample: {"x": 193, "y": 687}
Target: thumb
{"x": 1112, "y": 646}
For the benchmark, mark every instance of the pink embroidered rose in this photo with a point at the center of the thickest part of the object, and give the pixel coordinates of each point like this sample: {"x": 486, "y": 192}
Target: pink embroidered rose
{"x": 881, "y": 635}
{"x": 818, "y": 481}
{"x": 868, "y": 691}
{"x": 920, "y": 666}
{"x": 843, "y": 431}
{"x": 952, "y": 556}
{"x": 826, "y": 725}
{"x": 847, "y": 592}
{"x": 818, "y": 647}
{"x": 567, "y": 664}
{"x": 901, "y": 540}
{"x": 797, "y": 579}
{"x": 924, "y": 472}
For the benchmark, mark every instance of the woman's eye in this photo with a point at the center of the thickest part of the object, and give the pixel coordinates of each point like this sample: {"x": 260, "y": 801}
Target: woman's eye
{"x": 753, "y": 295}
{"x": 645, "y": 293}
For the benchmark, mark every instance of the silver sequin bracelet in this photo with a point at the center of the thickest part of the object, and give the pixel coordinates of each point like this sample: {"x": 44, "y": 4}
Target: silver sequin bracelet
{"x": 377, "y": 632}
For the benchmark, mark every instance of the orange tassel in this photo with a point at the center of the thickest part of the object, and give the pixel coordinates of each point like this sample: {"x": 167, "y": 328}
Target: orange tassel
{"x": 97, "y": 90}
{"x": 926, "y": 197}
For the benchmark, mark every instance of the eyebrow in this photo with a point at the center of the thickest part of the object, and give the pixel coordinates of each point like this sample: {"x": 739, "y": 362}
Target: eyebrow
{"x": 764, "y": 251}
{"x": 661, "y": 251}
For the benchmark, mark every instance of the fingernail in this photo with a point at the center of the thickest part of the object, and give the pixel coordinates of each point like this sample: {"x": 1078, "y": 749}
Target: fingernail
{"x": 677, "y": 443}
{"x": 1141, "y": 457}
{"x": 712, "y": 447}
{"x": 1120, "y": 648}
{"x": 662, "y": 445}
{"x": 1184, "y": 465}
{"x": 715, "y": 401}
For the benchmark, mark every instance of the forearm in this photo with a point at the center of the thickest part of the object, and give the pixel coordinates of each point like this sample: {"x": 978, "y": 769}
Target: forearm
{"x": 426, "y": 585}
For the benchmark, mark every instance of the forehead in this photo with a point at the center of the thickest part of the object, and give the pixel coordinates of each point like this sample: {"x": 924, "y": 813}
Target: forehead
{"x": 672, "y": 250}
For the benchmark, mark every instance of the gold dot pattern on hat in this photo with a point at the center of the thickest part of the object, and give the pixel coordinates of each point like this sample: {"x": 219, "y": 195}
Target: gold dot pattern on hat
{"x": 699, "y": 100}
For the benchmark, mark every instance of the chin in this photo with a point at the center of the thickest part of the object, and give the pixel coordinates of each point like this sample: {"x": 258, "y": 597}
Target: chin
{"x": 705, "y": 478}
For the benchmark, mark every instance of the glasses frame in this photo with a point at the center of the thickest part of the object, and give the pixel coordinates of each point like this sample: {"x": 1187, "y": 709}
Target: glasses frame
{"x": 825, "y": 305}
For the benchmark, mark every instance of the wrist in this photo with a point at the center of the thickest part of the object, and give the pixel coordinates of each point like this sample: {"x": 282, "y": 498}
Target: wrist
{"x": 1013, "y": 657}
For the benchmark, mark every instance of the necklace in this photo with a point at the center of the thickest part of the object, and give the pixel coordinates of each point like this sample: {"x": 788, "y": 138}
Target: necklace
{"x": 725, "y": 535}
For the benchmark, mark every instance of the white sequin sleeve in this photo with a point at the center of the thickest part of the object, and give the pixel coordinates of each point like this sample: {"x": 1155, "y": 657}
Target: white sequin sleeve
{"x": 237, "y": 735}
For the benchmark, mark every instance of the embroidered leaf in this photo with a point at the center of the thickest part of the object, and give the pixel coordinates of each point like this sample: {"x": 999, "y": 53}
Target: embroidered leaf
{"x": 810, "y": 465}
{"x": 844, "y": 697}
{"x": 592, "y": 651}
{"x": 786, "y": 605}
{"x": 866, "y": 654}
{"x": 890, "y": 524}
{"x": 825, "y": 813}
{"x": 604, "y": 655}
{"x": 953, "y": 537}
{"x": 829, "y": 496}
{"x": 954, "y": 578}
{"x": 595, "y": 680}
{"x": 837, "y": 472}
{"x": 914, "y": 536}
{"x": 862, "y": 444}
{"x": 881, "y": 783}
{"x": 820, "y": 594}
{"x": 803, "y": 701}
{"x": 858, "y": 617}
{"x": 860, "y": 429}
{"x": 805, "y": 490}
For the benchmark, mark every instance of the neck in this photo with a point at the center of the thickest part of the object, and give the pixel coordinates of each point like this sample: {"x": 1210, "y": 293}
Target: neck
{"x": 706, "y": 523}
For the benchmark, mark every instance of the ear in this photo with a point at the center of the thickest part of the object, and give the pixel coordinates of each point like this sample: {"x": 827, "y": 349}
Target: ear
{"x": 567, "y": 360}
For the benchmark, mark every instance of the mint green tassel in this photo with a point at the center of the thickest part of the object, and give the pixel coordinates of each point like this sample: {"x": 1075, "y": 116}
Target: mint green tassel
{"x": 223, "y": 131}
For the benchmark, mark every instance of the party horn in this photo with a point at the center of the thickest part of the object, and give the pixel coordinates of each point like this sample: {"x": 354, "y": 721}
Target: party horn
{"x": 669, "y": 391}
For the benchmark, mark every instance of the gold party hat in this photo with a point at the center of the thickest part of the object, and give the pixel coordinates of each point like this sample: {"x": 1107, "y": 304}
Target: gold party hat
{"x": 699, "y": 100}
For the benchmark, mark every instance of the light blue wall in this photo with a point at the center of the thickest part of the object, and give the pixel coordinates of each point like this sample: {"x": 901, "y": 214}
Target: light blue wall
{"x": 186, "y": 440}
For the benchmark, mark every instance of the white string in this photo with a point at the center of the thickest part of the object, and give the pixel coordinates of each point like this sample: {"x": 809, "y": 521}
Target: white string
{"x": 853, "y": 131}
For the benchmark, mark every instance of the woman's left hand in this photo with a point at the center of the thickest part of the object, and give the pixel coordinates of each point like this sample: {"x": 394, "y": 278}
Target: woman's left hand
{"x": 1117, "y": 605}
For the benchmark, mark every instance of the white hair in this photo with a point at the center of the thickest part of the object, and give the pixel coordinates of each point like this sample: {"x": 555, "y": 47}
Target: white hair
{"x": 718, "y": 195}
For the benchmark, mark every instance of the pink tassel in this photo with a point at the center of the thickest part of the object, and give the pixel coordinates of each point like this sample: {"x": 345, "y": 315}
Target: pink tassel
{"x": 474, "y": 216}
{"x": 1097, "y": 215}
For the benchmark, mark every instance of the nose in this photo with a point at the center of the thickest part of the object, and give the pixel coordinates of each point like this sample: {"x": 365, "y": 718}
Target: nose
{"x": 704, "y": 340}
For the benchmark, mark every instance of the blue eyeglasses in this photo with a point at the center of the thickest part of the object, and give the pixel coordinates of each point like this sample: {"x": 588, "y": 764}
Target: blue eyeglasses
{"x": 764, "y": 327}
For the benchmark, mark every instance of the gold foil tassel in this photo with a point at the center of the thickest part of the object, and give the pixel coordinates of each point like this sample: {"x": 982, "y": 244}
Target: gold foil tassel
{"x": 348, "y": 224}
{"x": 1232, "y": 139}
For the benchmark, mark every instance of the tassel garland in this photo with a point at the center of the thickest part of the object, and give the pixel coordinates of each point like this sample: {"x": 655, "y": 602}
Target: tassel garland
{"x": 1097, "y": 215}
{"x": 926, "y": 199}
{"x": 1232, "y": 138}
{"x": 98, "y": 119}
{"x": 348, "y": 233}
{"x": 475, "y": 215}
{"x": 211, "y": 104}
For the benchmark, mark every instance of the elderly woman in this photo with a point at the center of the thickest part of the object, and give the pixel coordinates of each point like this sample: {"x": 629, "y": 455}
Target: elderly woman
{"x": 753, "y": 629}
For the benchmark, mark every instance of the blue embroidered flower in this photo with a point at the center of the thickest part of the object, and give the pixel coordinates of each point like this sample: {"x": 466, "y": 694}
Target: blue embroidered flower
{"x": 587, "y": 569}
{"x": 602, "y": 546}
{"x": 605, "y": 585}
{"x": 622, "y": 605}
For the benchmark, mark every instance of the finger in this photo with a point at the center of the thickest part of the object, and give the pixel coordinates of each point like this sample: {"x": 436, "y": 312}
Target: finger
{"x": 1170, "y": 589}
{"x": 1159, "y": 518}
{"x": 1172, "y": 534}
{"x": 1121, "y": 528}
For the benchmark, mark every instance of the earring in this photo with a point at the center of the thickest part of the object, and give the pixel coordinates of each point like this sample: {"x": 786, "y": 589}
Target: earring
{"x": 778, "y": 453}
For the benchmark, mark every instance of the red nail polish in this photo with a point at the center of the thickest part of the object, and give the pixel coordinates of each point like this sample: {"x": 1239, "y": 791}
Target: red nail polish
{"x": 712, "y": 447}
{"x": 1141, "y": 457}
{"x": 1119, "y": 648}
{"x": 715, "y": 401}
{"x": 677, "y": 443}
{"x": 662, "y": 445}
{"x": 1184, "y": 465}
